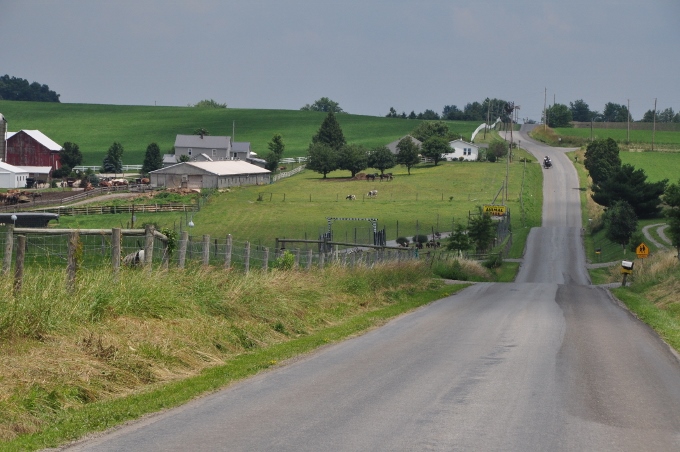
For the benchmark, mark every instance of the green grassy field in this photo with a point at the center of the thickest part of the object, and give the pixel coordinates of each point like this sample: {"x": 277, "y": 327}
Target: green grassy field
{"x": 431, "y": 198}
{"x": 638, "y": 138}
{"x": 95, "y": 127}
{"x": 657, "y": 165}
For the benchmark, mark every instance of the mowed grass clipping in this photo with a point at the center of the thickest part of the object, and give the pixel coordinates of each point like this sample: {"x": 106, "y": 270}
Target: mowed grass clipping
{"x": 431, "y": 199}
{"x": 95, "y": 127}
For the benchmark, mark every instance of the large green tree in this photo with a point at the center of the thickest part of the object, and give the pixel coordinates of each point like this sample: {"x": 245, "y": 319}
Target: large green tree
{"x": 153, "y": 159}
{"x": 14, "y": 88}
{"x": 580, "y": 111}
{"x": 434, "y": 148}
{"x": 433, "y": 128}
{"x": 459, "y": 240}
{"x": 71, "y": 156}
{"x": 602, "y": 159}
{"x": 615, "y": 112}
{"x": 321, "y": 158}
{"x": 324, "y": 104}
{"x": 629, "y": 184}
{"x": 381, "y": 158}
{"x": 407, "y": 154}
{"x": 113, "y": 161}
{"x": 559, "y": 115}
{"x": 330, "y": 133}
{"x": 620, "y": 223}
{"x": 353, "y": 158}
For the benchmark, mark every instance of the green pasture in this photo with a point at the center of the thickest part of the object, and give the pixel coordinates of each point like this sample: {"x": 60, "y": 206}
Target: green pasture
{"x": 657, "y": 165}
{"x": 662, "y": 139}
{"x": 431, "y": 199}
{"x": 95, "y": 127}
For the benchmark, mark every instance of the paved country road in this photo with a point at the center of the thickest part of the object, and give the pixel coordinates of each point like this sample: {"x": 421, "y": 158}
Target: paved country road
{"x": 546, "y": 363}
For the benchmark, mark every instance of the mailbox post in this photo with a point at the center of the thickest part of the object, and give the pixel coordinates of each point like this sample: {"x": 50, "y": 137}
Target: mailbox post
{"x": 626, "y": 269}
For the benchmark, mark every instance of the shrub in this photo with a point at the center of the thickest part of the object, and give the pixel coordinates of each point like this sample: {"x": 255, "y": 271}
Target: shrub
{"x": 403, "y": 241}
{"x": 286, "y": 261}
{"x": 493, "y": 261}
{"x": 421, "y": 238}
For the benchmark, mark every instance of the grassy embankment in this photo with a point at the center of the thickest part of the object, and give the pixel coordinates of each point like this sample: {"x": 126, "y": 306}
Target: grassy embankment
{"x": 95, "y": 127}
{"x": 639, "y": 140}
{"x": 653, "y": 288}
{"x": 114, "y": 349}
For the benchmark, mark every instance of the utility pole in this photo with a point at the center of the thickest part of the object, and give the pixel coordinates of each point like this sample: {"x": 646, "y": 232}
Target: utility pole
{"x": 628, "y": 134}
{"x": 545, "y": 119}
{"x": 654, "y": 124}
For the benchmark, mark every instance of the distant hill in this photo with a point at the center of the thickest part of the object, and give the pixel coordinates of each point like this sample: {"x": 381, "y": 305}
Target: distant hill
{"x": 95, "y": 127}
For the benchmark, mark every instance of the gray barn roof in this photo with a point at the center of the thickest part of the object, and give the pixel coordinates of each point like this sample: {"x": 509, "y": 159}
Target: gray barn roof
{"x": 207, "y": 142}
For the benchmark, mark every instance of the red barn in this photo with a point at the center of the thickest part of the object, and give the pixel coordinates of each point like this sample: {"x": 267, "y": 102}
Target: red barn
{"x": 32, "y": 148}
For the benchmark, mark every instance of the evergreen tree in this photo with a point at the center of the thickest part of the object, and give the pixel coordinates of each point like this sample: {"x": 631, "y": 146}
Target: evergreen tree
{"x": 620, "y": 223}
{"x": 113, "y": 162}
{"x": 330, "y": 133}
{"x": 153, "y": 159}
{"x": 672, "y": 199}
{"x": 482, "y": 230}
{"x": 630, "y": 185}
{"x": 602, "y": 159}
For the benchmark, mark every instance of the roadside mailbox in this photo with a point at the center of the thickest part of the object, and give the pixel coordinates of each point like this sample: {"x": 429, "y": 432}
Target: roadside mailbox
{"x": 627, "y": 267}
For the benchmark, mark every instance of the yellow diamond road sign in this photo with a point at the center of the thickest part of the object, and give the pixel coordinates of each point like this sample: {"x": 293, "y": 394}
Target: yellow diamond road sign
{"x": 494, "y": 210}
{"x": 642, "y": 251}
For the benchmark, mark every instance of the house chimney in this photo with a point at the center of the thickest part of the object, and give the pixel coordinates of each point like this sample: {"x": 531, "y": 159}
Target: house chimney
{"x": 3, "y": 138}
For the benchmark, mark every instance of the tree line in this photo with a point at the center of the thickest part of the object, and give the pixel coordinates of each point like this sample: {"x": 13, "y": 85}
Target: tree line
{"x": 14, "y": 88}
{"x": 560, "y": 115}
{"x": 627, "y": 196}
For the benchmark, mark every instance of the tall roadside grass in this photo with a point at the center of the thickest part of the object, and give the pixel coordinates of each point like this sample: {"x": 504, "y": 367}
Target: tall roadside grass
{"x": 115, "y": 348}
{"x": 654, "y": 294}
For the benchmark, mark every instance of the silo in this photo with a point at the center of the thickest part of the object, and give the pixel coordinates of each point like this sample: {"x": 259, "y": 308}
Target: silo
{"x": 3, "y": 138}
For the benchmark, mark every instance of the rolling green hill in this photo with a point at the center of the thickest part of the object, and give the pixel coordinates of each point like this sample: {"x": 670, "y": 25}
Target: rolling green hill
{"x": 95, "y": 127}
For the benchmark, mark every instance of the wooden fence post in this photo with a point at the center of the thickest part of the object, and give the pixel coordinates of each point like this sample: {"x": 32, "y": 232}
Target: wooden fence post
{"x": 322, "y": 256}
{"x": 19, "y": 266}
{"x": 206, "y": 250}
{"x": 148, "y": 246}
{"x": 265, "y": 263}
{"x": 9, "y": 244}
{"x": 297, "y": 257}
{"x": 227, "y": 254}
{"x": 310, "y": 256}
{"x": 183, "y": 241}
{"x": 246, "y": 258}
{"x": 115, "y": 249}
{"x": 72, "y": 262}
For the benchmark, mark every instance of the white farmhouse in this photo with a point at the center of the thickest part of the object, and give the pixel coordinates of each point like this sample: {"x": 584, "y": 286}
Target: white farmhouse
{"x": 460, "y": 148}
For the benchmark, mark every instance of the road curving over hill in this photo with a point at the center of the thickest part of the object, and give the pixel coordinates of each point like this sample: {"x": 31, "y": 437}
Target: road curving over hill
{"x": 546, "y": 363}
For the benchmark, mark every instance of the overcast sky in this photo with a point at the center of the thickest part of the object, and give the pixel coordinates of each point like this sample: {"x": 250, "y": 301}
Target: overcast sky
{"x": 367, "y": 55}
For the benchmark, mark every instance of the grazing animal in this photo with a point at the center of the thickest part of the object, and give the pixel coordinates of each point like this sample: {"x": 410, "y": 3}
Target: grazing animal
{"x": 370, "y": 177}
{"x": 372, "y": 193}
{"x": 387, "y": 176}
{"x": 351, "y": 197}
{"x": 134, "y": 259}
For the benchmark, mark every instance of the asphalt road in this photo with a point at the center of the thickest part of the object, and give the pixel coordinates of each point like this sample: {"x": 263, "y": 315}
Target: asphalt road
{"x": 546, "y": 363}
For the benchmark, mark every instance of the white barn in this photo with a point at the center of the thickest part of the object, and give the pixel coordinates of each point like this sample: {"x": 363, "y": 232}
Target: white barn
{"x": 460, "y": 148}
{"x": 206, "y": 174}
{"x": 12, "y": 176}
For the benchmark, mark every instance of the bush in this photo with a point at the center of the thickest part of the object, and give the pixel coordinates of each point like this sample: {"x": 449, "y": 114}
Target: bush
{"x": 453, "y": 271}
{"x": 419, "y": 238}
{"x": 491, "y": 158}
{"x": 403, "y": 241}
{"x": 286, "y": 261}
{"x": 493, "y": 261}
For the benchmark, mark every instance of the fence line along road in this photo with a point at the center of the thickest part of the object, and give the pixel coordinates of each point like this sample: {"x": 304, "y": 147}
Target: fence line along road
{"x": 137, "y": 208}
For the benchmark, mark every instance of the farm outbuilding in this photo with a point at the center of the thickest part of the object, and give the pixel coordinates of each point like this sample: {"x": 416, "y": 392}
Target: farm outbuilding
{"x": 32, "y": 148}
{"x": 12, "y": 176}
{"x": 220, "y": 174}
{"x": 393, "y": 145}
